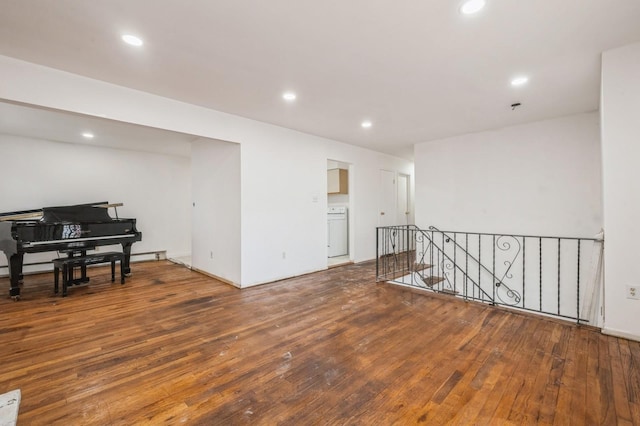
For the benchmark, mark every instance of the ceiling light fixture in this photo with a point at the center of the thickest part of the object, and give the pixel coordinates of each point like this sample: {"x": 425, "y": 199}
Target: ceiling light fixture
{"x": 470, "y": 7}
{"x": 289, "y": 96}
{"x": 519, "y": 81}
{"x": 366, "y": 124}
{"x": 87, "y": 135}
{"x": 132, "y": 40}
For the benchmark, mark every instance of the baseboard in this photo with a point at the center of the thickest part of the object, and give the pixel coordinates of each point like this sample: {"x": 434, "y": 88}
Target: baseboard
{"x": 618, "y": 333}
{"x": 224, "y": 280}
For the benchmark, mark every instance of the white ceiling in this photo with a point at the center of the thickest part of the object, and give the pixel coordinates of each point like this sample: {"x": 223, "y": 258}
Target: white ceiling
{"x": 419, "y": 70}
{"x": 57, "y": 126}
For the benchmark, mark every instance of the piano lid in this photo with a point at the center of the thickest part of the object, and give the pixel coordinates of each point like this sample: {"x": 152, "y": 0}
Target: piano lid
{"x": 89, "y": 212}
{"x": 78, "y": 213}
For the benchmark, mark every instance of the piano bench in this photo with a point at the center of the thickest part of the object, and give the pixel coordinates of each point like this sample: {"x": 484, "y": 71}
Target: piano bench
{"x": 67, "y": 265}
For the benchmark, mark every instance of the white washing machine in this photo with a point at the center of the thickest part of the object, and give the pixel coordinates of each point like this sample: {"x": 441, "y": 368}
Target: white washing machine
{"x": 338, "y": 232}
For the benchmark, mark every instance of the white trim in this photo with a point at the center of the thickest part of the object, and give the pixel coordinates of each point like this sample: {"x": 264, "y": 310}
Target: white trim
{"x": 215, "y": 277}
{"x": 618, "y": 333}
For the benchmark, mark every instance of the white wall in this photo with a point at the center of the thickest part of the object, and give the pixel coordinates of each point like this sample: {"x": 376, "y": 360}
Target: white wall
{"x": 541, "y": 178}
{"x": 283, "y": 171}
{"x": 620, "y": 107}
{"x": 283, "y": 207}
{"x": 215, "y": 173}
{"x": 155, "y": 188}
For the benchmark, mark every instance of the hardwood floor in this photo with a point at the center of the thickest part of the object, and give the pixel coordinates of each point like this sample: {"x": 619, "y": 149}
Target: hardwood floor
{"x": 172, "y": 346}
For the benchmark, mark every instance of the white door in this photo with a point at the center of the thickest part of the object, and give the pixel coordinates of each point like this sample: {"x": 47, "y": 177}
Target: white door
{"x": 387, "y": 207}
{"x": 404, "y": 211}
{"x": 403, "y": 200}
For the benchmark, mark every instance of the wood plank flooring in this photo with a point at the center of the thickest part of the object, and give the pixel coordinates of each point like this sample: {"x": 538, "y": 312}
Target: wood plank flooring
{"x": 172, "y": 346}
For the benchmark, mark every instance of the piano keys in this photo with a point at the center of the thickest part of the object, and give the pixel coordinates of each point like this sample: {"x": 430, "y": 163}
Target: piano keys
{"x": 76, "y": 228}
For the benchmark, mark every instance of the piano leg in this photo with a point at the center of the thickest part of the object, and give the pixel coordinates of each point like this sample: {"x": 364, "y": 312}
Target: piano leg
{"x": 15, "y": 274}
{"x": 126, "y": 249}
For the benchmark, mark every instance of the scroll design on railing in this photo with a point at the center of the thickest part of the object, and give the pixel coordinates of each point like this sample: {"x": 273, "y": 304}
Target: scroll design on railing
{"x": 513, "y": 296}
{"x": 393, "y": 235}
{"x": 420, "y": 255}
{"x": 504, "y": 245}
{"x": 447, "y": 266}
{"x": 392, "y": 243}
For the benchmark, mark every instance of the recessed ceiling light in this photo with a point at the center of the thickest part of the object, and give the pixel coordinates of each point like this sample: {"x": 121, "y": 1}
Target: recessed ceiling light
{"x": 472, "y": 6}
{"x": 366, "y": 124}
{"x": 132, "y": 40}
{"x": 289, "y": 96}
{"x": 519, "y": 81}
{"x": 87, "y": 135}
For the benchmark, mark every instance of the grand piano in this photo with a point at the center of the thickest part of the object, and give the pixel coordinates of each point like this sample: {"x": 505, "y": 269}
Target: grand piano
{"x": 70, "y": 229}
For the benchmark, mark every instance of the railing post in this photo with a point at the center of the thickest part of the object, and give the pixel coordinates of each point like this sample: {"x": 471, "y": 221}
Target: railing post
{"x": 493, "y": 270}
{"x": 406, "y": 249}
{"x": 466, "y": 265}
{"x": 558, "y": 276}
{"x": 431, "y": 244}
{"x": 480, "y": 263}
{"x": 524, "y": 261}
{"x": 377, "y": 254}
{"x": 455, "y": 252}
{"x": 578, "y": 287}
{"x": 540, "y": 265}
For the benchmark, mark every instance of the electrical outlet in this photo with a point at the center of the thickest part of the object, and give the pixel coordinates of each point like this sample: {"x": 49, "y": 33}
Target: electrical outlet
{"x": 284, "y": 254}
{"x": 633, "y": 292}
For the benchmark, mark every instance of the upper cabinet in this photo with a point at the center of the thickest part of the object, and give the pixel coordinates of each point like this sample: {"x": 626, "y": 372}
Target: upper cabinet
{"x": 337, "y": 181}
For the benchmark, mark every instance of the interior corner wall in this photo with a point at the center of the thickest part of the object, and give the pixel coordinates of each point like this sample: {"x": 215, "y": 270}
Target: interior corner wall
{"x": 155, "y": 188}
{"x": 215, "y": 174}
{"x": 541, "y": 178}
{"x": 620, "y": 106}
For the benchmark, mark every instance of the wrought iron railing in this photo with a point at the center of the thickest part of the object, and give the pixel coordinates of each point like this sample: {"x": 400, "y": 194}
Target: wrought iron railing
{"x": 548, "y": 275}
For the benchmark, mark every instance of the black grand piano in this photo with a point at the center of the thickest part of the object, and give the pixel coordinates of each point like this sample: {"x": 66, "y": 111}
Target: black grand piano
{"x": 71, "y": 229}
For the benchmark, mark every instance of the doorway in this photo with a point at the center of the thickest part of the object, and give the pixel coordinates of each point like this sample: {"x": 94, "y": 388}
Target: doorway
{"x": 339, "y": 213}
{"x": 395, "y": 199}
{"x": 394, "y": 204}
